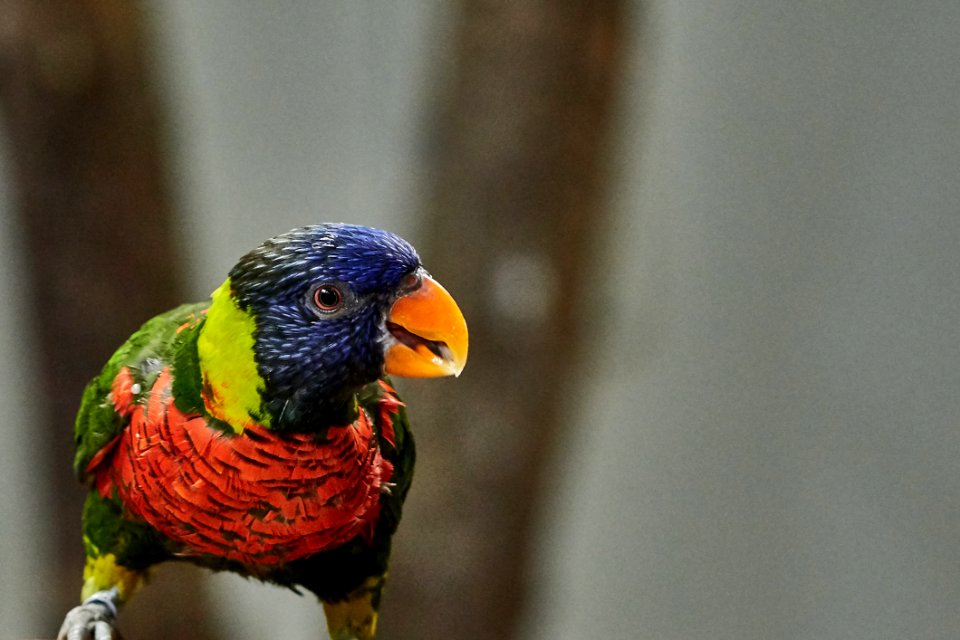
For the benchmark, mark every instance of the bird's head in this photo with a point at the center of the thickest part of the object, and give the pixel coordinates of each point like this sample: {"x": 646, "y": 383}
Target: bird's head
{"x": 310, "y": 316}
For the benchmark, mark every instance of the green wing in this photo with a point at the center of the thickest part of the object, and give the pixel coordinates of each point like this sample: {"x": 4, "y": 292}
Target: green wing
{"x": 154, "y": 346}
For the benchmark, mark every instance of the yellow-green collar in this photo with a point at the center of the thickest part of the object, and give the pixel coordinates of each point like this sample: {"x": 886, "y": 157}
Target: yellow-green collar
{"x": 232, "y": 385}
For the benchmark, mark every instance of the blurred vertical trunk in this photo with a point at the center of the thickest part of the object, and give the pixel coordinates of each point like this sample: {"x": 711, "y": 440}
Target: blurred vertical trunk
{"x": 521, "y": 150}
{"x": 82, "y": 124}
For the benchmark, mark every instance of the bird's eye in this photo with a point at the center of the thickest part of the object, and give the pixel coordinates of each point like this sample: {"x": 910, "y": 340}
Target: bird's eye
{"x": 411, "y": 282}
{"x": 327, "y": 298}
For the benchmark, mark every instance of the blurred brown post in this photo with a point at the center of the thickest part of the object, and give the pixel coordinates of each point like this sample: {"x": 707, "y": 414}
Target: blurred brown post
{"x": 521, "y": 147}
{"x": 82, "y": 122}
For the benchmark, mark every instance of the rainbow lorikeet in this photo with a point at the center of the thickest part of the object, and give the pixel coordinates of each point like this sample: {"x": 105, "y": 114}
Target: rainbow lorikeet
{"x": 257, "y": 433}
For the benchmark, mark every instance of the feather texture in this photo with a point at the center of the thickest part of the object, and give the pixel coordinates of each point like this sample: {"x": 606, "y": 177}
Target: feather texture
{"x": 258, "y": 498}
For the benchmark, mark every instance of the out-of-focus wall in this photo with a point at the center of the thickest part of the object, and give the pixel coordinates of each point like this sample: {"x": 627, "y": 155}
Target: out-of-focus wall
{"x": 24, "y": 518}
{"x": 285, "y": 114}
{"x": 768, "y": 440}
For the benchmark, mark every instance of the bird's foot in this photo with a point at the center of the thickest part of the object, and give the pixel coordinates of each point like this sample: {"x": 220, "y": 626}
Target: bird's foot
{"x": 92, "y": 620}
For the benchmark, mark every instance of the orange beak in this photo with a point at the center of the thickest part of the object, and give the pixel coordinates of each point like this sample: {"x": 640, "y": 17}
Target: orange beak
{"x": 428, "y": 334}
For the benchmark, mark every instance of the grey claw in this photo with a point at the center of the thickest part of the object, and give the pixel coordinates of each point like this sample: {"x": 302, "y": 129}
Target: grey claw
{"x": 103, "y": 630}
{"x": 92, "y": 620}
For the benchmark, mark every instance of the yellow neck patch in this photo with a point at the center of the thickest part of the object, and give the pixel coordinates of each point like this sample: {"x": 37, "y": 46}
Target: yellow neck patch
{"x": 232, "y": 384}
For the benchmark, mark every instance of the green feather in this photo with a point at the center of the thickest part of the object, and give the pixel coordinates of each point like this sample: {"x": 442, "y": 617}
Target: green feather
{"x": 152, "y": 347}
{"x": 136, "y": 545}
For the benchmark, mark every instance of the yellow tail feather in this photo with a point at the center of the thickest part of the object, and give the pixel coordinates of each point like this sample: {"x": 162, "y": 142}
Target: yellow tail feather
{"x": 102, "y": 572}
{"x": 356, "y": 616}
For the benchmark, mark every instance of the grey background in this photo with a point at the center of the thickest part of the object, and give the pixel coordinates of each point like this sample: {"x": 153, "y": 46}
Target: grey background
{"x": 766, "y": 444}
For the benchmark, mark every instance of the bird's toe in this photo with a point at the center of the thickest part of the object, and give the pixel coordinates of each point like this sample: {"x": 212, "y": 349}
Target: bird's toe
{"x": 92, "y": 620}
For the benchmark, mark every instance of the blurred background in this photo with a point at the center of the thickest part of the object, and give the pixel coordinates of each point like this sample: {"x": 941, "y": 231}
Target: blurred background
{"x": 709, "y": 253}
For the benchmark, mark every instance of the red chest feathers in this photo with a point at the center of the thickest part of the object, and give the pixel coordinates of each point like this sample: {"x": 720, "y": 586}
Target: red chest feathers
{"x": 258, "y": 498}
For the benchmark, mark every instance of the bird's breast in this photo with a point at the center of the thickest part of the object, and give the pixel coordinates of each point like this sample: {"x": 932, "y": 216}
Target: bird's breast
{"x": 259, "y": 498}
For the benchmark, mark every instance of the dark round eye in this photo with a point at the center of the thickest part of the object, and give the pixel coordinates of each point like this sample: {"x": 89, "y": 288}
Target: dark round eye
{"x": 327, "y": 298}
{"x": 411, "y": 282}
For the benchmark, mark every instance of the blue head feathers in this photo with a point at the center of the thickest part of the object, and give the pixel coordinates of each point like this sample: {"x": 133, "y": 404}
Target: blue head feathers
{"x": 318, "y": 296}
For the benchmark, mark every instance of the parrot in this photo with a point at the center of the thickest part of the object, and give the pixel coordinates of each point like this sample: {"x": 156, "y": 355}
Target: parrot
{"x": 259, "y": 432}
